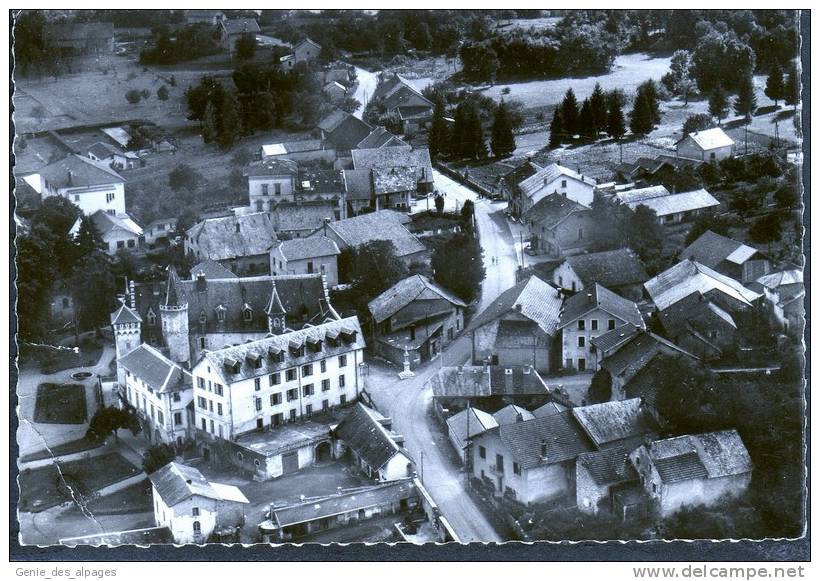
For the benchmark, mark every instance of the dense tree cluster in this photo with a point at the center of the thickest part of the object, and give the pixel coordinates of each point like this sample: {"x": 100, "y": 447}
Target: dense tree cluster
{"x": 190, "y": 42}
{"x": 601, "y": 112}
{"x": 458, "y": 265}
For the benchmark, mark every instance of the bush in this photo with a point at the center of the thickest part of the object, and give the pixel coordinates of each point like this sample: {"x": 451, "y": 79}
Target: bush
{"x": 162, "y": 93}
{"x": 133, "y": 96}
{"x": 145, "y": 93}
{"x": 183, "y": 176}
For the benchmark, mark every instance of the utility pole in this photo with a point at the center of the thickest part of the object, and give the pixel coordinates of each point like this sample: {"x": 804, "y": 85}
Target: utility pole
{"x": 521, "y": 236}
{"x": 621, "y": 150}
{"x": 746, "y": 138}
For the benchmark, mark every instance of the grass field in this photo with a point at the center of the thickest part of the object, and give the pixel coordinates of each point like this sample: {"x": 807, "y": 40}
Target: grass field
{"x": 46, "y": 487}
{"x": 60, "y": 404}
{"x": 71, "y": 447}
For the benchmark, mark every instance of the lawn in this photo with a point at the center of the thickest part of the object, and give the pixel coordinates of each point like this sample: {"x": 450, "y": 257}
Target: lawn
{"x": 43, "y": 488}
{"x": 51, "y": 359}
{"x": 136, "y": 498}
{"x": 60, "y": 404}
{"x": 72, "y": 447}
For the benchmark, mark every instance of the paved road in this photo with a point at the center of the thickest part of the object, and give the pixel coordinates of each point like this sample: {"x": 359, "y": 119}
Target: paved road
{"x": 409, "y": 402}
{"x": 364, "y": 90}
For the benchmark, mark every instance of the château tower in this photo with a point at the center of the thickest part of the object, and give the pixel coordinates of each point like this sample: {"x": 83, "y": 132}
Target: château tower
{"x": 174, "y": 315}
{"x": 276, "y": 313}
{"x": 127, "y": 326}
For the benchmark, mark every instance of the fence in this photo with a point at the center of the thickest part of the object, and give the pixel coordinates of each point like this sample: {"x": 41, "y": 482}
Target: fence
{"x": 465, "y": 181}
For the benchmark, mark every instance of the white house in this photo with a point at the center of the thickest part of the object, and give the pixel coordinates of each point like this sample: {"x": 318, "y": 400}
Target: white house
{"x": 90, "y": 185}
{"x": 670, "y": 207}
{"x": 192, "y": 507}
{"x": 550, "y": 180}
{"x": 285, "y": 377}
{"x": 117, "y": 232}
{"x": 307, "y": 256}
{"x": 112, "y": 156}
{"x": 160, "y": 390}
{"x": 707, "y": 145}
{"x": 270, "y": 182}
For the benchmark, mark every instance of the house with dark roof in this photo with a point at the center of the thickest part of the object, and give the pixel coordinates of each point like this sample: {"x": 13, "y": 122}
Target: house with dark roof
{"x": 396, "y": 174}
{"x": 490, "y": 387}
{"x": 270, "y": 181}
{"x": 416, "y": 318}
{"x": 670, "y": 207}
{"x": 711, "y": 145}
{"x": 692, "y": 470}
{"x": 381, "y": 137}
{"x": 304, "y": 51}
{"x": 466, "y": 424}
{"x": 519, "y": 328}
{"x": 75, "y": 38}
{"x": 232, "y": 29}
{"x": 257, "y": 385}
{"x": 314, "y": 254}
{"x": 552, "y": 179}
{"x": 702, "y": 326}
{"x": 508, "y": 183}
{"x": 727, "y": 256}
{"x": 601, "y": 476}
{"x": 112, "y": 156}
{"x": 192, "y": 507}
{"x": 397, "y": 97}
{"x": 160, "y": 391}
{"x": 626, "y": 350}
{"x": 215, "y": 309}
{"x": 616, "y": 423}
{"x": 558, "y": 226}
{"x": 345, "y": 134}
{"x": 159, "y": 230}
{"x": 90, "y": 185}
{"x": 118, "y": 232}
{"x": 785, "y": 295}
{"x": 301, "y": 219}
{"x": 374, "y": 447}
{"x": 588, "y": 314}
{"x": 621, "y": 271}
{"x": 530, "y": 461}
{"x": 386, "y": 225}
{"x": 512, "y": 413}
{"x": 241, "y": 242}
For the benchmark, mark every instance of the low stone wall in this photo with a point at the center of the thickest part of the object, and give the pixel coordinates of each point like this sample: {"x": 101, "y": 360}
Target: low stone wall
{"x": 437, "y": 519}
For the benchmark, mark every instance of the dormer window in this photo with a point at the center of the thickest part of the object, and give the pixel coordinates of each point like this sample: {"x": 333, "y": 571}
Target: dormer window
{"x": 203, "y": 318}
{"x": 151, "y": 318}
{"x": 247, "y": 314}
{"x": 315, "y": 345}
{"x": 255, "y": 360}
{"x": 220, "y": 313}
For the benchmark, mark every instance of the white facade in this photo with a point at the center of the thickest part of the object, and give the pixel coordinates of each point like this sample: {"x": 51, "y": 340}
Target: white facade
{"x": 229, "y": 410}
{"x": 326, "y": 265}
{"x": 264, "y": 192}
{"x": 187, "y": 524}
{"x": 165, "y": 414}
{"x": 109, "y": 198}
{"x": 568, "y": 186}
{"x": 577, "y": 350}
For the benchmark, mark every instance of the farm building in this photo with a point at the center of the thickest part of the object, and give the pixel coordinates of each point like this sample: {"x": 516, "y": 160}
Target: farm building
{"x": 707, "y": 145}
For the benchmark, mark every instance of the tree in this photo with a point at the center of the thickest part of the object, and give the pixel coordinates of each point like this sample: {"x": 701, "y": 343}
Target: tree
{"x": 680, "y": 68}
{"x": 698, "y": 122}
{"x": 245, "y": 47}
{"x": 721, "y": 57}
{"x": 33, "y": 50}
{"x": 467, "y": 213}
{"x": 718, "y": 102}
{"x": 183, "y": 176}
{"x": 600, "y": 389}
{"x": 372, "y": 268}
{"x": 88, "y": 238}
{"x": 787, "y": 196}
{"x": 557, "y": 130}
{"x": 468, "y": 134}
{"x": 502, "y": 140}
{"x": 438, "y": 138}
{"x": 162, "y": 93}
{"x": 615, "y": 123}
{"x": 746, "y": 100}
{"x": 458, "y": 266}
{"x": 157, "y": 456}
{"x": 599, "y": 108}
{"x": 439, "y": 202}
{"x": 586, "y": 121}
{"x": 767, "y": 229}
{"x": 640, "y": 119}
{"x": 133, "y": 96}
{"x": 92, "y": 283}
{"x": 791, "y": 87}
{"x": 108, "y": 420}
{"x": 644, "y": 235}
{"x": 569, "y": 112}
{"x": 36, "y": 271}
{"x": 775, "y": 84}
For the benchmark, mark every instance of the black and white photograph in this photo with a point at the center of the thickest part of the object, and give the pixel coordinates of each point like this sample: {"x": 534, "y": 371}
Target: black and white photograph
{"x": 407, "y": 277}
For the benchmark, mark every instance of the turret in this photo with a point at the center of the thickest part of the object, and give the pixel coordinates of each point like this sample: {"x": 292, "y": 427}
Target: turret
{"x": 127, "y": 326}
{"x": 174, "y": 314}
{"x": 276, "y": 313}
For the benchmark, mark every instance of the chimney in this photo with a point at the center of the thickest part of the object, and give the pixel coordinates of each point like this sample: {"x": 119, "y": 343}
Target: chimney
{"x": 237, "y": 226}
{"x": 527, "y": 369}
{"x": 589, "y": 298}
{"x": 544, "y": 447}
{"x": 508, "y": 380}
{"x": 519, "y": 417}
{"x": 201, "y": 282}
{"x": 413, "y": 333}
{"x": 70, "y": 178}
{"x": 460, "y": 370}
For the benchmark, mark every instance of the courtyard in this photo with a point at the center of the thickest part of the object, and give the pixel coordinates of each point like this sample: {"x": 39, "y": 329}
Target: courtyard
{"x": 60, "y": 404}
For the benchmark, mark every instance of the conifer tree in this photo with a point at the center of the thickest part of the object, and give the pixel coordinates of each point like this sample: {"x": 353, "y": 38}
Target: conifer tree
{"x": 437, "y": 141}
{"x": 586, "y": 121}
{"x": 775, "y": 84}
{"x": 556, "y": 129}
{"x": 615, "y": 123}
{"x": 718, "y": 103}
{"x": 502, "y": 141}
{"x": 569, "y": 112}
{"x": 640, "y": 119}
{"x": 746, "y": 100}
{"x": 598, "y": 104}
{"x": 791, "y": 87}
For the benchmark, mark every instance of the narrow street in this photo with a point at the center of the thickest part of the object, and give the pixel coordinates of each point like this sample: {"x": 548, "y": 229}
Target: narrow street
{"x": 364, "y": 90}
{"x": 409, "y": 402}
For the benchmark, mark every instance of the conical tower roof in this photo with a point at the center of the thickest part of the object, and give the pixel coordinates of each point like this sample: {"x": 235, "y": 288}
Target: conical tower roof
{"x": 275, "y": 306}
{"x": 171, "y": 296}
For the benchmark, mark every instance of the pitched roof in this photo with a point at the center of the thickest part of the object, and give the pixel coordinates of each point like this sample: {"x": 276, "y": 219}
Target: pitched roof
{"x": 693, "y": 313}
{"x": 687, "y": 277}
{"x": 176, "y": 482}
{"x": 302, "y": 216}
{"x": 609, "y": 466}
{"x": 709, "y": 455}
{"x": 332, "y": 120}
{"x": 308, "y": 41}
{"x": 639, "y": 349}
{"x": 396, "y": 92}
{"x": 781, "y": 278}
{"x": 711, "y": 138}
{"x": 271, "y": 167}
{"x": 347, "y": 133}
{"x": 381, "y": 137}
{"x": 363, "y": 432}
{"x": 477, "y": 420}
{"x": 381, "y": 225}
{"x": 392, "y": 157}
{"x": 533, "y": 298}
{"x": 561, "y": 434}
{"x": 105, "y": 223}
{"x": 125, "y": 315}
{"x": 359, "y": 184}
{"x": 613, "y": 421}
{"x": 74, "y": 171}
{"x": 241, "y": 26}
{"x": 521, "y": 172}
{"x": 274, "y": 149}
{"x": 404, "y": 292}
{"x": 553, "y": 209}
{"x": 240, "y": 355}
{"x": 512, "y": 413}
{"x": 159, "y": 372}
{"x": 710, "y": 249}
{"x": 615, "y": 338}
{"x": 548, "y": 409}
{"x": 612, "y": 268}
{"x": 385, "y": 494}
{"x": 663, "y": 205}
{"x": 598, "y": 297}
{"x": 104, "y": 150}
{"x": 310, "y": 247}
{"x": 211, "y": 270}
{"x": 485, "y": 381}
{"x": 640, "y": 194}
{"x": 234, "y": 236}
{"x": 548, "y": 175}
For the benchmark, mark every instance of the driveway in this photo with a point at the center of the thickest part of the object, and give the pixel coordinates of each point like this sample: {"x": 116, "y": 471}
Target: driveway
{"x": 364, "y": 90}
